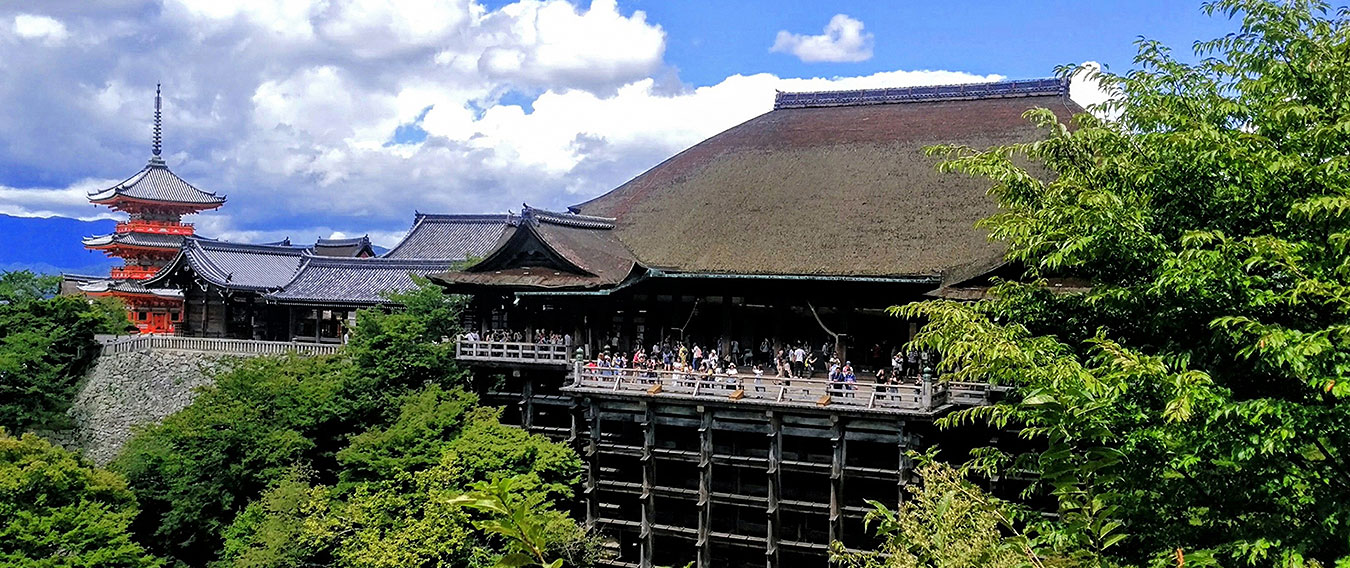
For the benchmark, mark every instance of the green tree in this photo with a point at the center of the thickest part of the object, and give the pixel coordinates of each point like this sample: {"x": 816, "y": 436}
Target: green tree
{"x": 198, "y": 468}
{"x": 1195, "y": 397}
{"x": 409, "y": 513}
{"x": 46, "y": 345}
{"x": 23, "y": 285}
{"x": 946, "y": 522}
{"x": 404, "y": 349}
{"x": 57, "y": 511}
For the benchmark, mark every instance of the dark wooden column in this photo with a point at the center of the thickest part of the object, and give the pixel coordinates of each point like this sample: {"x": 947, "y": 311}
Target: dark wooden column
{"x": 705, "y": 452}
{"x": 837, "y": 479}
{"x": 905, "y": 466}
{"x": 526, "y": 400}
{"x": 771, "y": 559}
{"x": 592, "y": 466}
{"x": 648, "y": 482}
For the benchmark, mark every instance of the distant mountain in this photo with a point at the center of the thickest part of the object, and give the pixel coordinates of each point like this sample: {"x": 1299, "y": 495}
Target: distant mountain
{"x": 52, "y": 245}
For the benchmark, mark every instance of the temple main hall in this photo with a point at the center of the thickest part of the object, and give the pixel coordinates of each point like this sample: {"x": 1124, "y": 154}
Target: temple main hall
{"x": 793, "y": 232}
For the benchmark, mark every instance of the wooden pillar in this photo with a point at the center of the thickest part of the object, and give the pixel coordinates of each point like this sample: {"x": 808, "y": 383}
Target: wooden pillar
{"x": 577, "y": 412}
{"x": 705, "y": 451}
{"x": 648, "y": 540}
{"x": 526, "y": 401}
{"x": 592, "y": 467}
{"x": 771, "y": 558}
{"x": 837, "y": 479}
{"x": 904, "y": 467}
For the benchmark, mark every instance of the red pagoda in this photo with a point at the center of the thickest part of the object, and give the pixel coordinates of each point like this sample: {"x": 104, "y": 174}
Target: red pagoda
{"x": 155, "y": 201}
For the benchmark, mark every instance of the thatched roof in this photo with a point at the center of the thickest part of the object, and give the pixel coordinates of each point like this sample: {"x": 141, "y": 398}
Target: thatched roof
{"x": 842, "y": 189}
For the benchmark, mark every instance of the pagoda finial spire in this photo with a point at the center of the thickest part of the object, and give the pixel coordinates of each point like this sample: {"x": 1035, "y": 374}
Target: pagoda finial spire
{"x": 157, "y": 139}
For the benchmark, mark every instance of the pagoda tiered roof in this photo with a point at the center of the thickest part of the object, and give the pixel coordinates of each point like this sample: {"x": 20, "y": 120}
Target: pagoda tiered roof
{"x": 457, "y": 237}
{"x": 155, "y": 184}
{"x": 107, "y": 287}
{"x": 155, "y": 241}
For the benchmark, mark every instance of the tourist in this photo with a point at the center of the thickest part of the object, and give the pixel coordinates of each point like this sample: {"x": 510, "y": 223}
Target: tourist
{"x": 698, "y": 356}
{"x": 799, "y": 362}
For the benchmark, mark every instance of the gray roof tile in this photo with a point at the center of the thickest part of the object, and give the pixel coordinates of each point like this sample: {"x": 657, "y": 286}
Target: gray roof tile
{"x": 452, "y": 237}
{"x": 156, "y": 183}
{"x": 353, "y": 281}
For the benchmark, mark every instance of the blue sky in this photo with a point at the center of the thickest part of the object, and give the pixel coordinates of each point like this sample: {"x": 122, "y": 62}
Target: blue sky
{"x": 342, "y": 118}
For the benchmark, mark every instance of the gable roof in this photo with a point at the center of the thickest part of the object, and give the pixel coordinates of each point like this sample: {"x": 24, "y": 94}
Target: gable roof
{"x": 349, "y": 248}
{"x": 550, "y": 250}
{"x": 353, "y": 281}
{"x": 235, "y": 266}
{"x": 830, "y": 184}
{"x": 454, "y": 237}
{"x": 156, "y": 183}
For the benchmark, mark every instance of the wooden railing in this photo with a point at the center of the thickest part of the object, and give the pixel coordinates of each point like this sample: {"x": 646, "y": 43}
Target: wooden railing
{"x": 919, "y": 396}
{"x": 133, "y": 343}
{"x": 511, "y": 352}
{"x": 157, "y": 227}
{"x": 133, "y": 272}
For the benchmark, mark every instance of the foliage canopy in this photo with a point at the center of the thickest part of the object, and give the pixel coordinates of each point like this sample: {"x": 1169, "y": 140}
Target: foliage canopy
{"x": 1196, "y": 396}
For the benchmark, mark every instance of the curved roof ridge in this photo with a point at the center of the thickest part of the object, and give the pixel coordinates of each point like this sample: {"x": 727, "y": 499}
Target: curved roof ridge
{"x": 924, "y": 93}
{"x": 342, "y": 242}
{"x": 268, "y": 248}
{"x": 460, "y": 217}
{"x": 568, "y": 219}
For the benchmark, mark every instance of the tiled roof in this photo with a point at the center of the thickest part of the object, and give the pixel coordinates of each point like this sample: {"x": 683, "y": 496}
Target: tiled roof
{"x": 344, "y": 247}
{"x": 127, "y": 287}
{"x": 353, "y": 281}
{"x": 156, "y": 183}
{"x": 236, "y": 266}
{"x": 1003, "y": 89}
{"x": 151, "y": 240}
{"x": 453, "y": 237}
{"x": 549, "y": 250}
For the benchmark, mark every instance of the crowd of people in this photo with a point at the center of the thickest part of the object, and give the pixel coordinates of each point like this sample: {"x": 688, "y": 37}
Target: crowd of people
{"x": 540, "y": 336}
{"x": 692, "y": 362}
{"x": 695, "y": 361}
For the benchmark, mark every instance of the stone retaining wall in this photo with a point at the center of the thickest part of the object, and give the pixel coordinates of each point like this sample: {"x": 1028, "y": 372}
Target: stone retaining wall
{"x": 129, "y": 389}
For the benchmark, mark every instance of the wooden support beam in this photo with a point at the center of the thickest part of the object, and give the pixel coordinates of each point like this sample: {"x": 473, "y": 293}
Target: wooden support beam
{"x": 648, "y": 540}
{"x": 705, "y": 463}
{"x": 775, "y": 479}
{"x": 592, "y": 466}
{"x": 905, "y": 467}
{"x": 837, "y": 479}
{"x": 526, "y": 401}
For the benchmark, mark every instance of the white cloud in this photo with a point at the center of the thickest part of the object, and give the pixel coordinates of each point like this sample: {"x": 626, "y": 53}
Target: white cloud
{"x": 292, "y": 108}
{"x": 1086, "y": 88}
{"x": 72, "y": 201}
{"x": 49, "y": 30}
{"x": 843, "y": 41}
